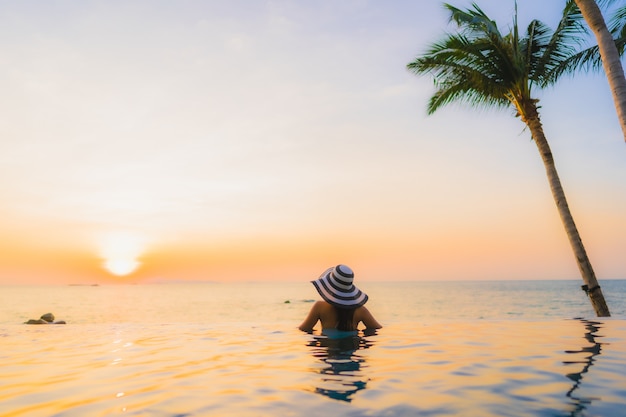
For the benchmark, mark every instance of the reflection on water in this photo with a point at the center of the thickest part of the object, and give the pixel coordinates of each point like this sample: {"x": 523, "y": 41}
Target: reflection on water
{"x": 340, "y": 364}
{"x": 579, "y": 402}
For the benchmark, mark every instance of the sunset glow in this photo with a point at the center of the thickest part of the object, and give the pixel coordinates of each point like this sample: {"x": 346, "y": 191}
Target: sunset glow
{"x": 253, "y": 140}
{"x": 121, "y": 266}
{"x": 120, "y": 252}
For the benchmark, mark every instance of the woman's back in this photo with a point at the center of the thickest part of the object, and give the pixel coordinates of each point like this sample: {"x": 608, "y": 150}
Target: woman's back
{"x": 329, "y": 316}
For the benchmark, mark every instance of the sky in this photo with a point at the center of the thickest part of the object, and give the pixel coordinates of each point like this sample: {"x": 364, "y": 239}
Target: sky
{"x": 250, "y": 140}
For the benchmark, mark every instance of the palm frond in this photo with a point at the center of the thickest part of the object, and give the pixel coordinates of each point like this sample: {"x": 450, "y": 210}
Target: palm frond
{"x": 588, "y": 59}
{"x": 565, "y": 42}
{"x": 606, "y": 3}
{"x": 464, "y": 70}
{"x": 533, "y": 49}
{"x": 483, "y": 33}
{"x": 473, "y": 20}
{"x": 617, "y": 27}
{"x": 474, "y": 98}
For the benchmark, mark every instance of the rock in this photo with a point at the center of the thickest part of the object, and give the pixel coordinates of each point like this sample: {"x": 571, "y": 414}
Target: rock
{"x": 38, "y": 321}
{"x": 47, "y": 318}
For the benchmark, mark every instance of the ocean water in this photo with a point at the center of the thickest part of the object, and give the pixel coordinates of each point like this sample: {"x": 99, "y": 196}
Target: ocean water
{"x": 447, "y": 349}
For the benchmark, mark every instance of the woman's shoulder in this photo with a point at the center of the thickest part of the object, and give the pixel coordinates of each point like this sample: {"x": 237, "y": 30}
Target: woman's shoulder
{"x": 322, "y": 305}
{"x": 363, "y": 314}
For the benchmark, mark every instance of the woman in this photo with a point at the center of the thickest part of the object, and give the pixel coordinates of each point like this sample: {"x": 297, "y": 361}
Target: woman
{"x": 343, "y": 306}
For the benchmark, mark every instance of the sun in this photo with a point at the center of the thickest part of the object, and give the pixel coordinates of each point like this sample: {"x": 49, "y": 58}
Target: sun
{"x": 121, "y": 252}
{"x": 121, "y": 266}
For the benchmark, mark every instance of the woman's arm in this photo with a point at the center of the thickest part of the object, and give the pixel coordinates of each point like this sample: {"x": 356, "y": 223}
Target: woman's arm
{"x": 368, "y": 320}
{"x": 311, "y": 320}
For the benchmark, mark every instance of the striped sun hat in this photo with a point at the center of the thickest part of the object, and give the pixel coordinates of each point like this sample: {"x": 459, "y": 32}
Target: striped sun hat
{"x": 336, "y": 287}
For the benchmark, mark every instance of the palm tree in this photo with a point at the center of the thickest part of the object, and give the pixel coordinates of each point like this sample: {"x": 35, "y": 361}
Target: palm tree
{"x": 609, "y": 54}
{"x": 481, "y": 66}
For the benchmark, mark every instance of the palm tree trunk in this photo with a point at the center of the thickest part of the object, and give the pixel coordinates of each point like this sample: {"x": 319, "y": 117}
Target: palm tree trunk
{"x": 589, "y": 278}
{"x": 609, "y": 54}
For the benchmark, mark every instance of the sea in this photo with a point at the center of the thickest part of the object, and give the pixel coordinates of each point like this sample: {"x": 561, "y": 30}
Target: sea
{"x": 454, "y": 348}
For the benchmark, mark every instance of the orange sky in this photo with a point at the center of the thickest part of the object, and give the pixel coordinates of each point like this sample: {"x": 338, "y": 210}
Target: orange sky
{"x": 256, "y": 141}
